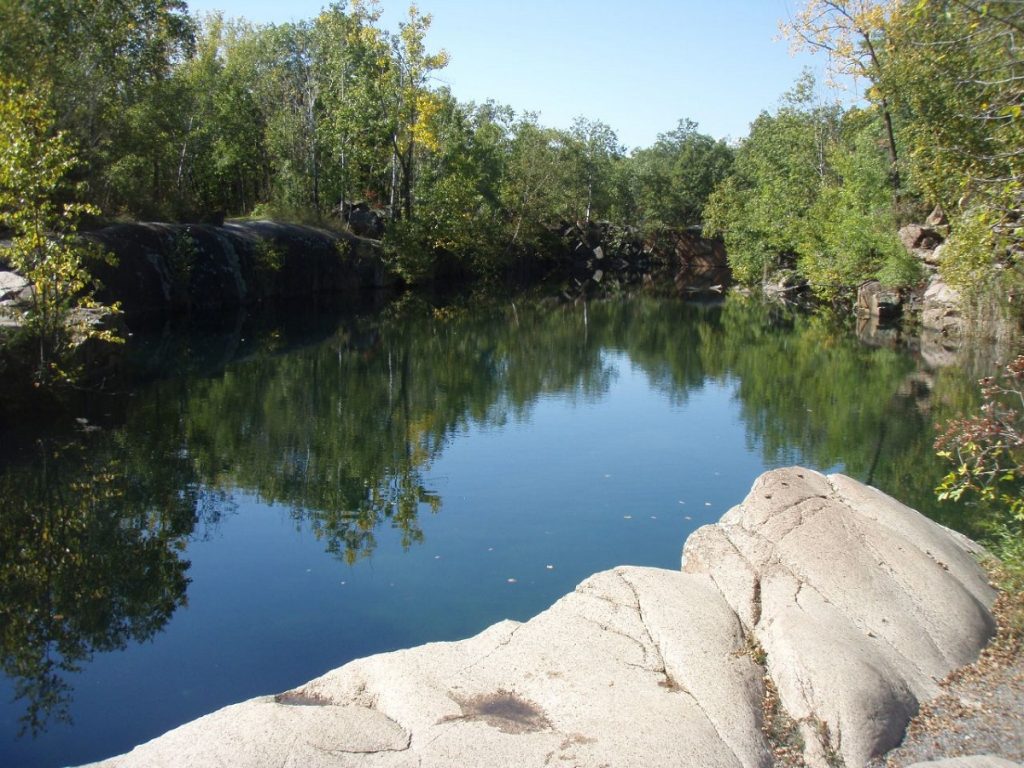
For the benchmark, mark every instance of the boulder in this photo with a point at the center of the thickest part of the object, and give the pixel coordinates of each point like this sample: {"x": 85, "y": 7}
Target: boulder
{"x": 941, "y": 308}
{"x": 861, "y": 604}
{"x": 933, "y": 258}
{"x": 876, "y": 300}
{"x": 15, "y": 293}
{"x": 853, "y": 604}
{"x": 924, "y": 243}
{"x": 916, "y": 237}
{"x": 637, "y": 666}
{"x": 363, "y": 220}
{"x": 938, "y": 221}
{"x": 14, "y": 287}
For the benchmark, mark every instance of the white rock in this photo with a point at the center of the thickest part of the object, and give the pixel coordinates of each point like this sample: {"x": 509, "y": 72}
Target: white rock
{"x": 976, "y": 761}
{"x": 637, "y": 666}
{"x": 860, "y": 604}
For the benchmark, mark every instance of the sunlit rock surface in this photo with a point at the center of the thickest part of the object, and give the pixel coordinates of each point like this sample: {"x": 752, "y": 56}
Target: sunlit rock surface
{"x": 861, "y": 604}
{"x": 977, "y": 761}
{"x": 854, "y": 605}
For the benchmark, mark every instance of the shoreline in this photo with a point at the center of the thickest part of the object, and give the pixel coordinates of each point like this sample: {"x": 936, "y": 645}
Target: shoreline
{"x": 829, "y": 596}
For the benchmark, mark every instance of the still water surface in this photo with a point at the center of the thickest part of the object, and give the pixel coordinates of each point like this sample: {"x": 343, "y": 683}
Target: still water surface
{"x": 304, "y": 492}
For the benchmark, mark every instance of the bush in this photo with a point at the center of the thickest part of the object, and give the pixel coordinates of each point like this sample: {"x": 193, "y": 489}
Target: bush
{"x": 987, "y": 453}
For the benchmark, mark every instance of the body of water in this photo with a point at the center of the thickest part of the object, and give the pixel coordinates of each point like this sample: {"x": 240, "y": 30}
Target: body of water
{"x": 304, "y": 492}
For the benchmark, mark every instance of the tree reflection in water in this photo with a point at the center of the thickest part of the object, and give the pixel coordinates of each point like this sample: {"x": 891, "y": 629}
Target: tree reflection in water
{"x": 91, "y": 559}
{"x": 343, "y": 430}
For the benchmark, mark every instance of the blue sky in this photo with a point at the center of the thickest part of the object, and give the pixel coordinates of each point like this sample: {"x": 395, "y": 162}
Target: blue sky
{"x": 639, "y": 66}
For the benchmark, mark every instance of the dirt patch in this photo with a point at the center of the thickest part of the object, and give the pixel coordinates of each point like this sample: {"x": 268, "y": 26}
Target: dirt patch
{"x": 301, "y": 699}
{"x": 506, "y": 711}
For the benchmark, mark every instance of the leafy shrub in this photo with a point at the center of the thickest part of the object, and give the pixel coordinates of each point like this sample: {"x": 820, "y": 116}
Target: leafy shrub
{"x": 987, "y": 453}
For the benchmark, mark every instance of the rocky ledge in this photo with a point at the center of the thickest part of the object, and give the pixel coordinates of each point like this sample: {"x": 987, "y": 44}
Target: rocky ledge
{"x": 815, "y": 617}
{"x": 162, "y": 268}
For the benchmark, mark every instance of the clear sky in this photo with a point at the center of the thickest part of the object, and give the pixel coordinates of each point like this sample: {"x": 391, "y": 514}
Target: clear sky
{"x": 638, "y": 65}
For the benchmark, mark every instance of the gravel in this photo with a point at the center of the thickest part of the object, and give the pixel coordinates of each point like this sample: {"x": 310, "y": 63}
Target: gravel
{"x": 981, "y": 711}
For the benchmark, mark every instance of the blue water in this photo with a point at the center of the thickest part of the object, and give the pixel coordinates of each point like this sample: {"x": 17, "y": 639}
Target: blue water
{"x": 616, "y": 465}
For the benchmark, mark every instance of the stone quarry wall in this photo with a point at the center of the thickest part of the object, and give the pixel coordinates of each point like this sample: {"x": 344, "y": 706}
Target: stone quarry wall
{"x": 173, "y": 268}
{"x": 819, "y": 609}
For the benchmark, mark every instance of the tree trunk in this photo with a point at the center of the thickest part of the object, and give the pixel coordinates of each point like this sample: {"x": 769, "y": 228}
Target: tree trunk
{"x": 890, "y": 134}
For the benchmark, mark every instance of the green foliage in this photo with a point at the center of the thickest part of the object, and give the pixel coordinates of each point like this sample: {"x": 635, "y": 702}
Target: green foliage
{"x": 221, "y": 147}
{"x": 34, "y": 165}
{"x": 763, "y": 208}
{"x": 969, "y": 254}
{"x": 852, "y": 225}
{"x": 175, "y": 117}
{"x": 591, "y": 152}
{"x": 954, "y": 69}
{"x": 812, "y": 188}
{"x": 670, "y": 182}
{"x": 458, "y": 211}
{"x": 954, "y": 66}
{"x": 407, "y": 252}
{"x": 535, "y": 177}
{"x": 103, "y": 69}
{"x": 987, "y": 454}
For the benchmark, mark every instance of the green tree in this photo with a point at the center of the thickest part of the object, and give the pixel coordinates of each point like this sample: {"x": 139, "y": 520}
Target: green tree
{"x": 852, "y": 230}
{"x": 762, "y": 208}
{"x": 672, "y": 179}
{"x": 35, "y": 162}
{"x": 103, "y": 67}
{"x": 458, "y": 210}
{"x": 221, "y": 155}
{"x": 354, "y": 56}
{"x": 592, "y": 153}
{"x": 534, "y": 181}
{"x": 412, "y": 104}
{"x": 956, "y": 69}
{"x": 852, "y": 33}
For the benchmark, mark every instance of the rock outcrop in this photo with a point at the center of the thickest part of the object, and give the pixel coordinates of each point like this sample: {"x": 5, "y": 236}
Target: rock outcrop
{"x": 921, "y": 241}
{"x": 860, "y": 604}
{"x": 597, "y": 254}
{"x": 878, "y": 301}
{"x": 940, "y": 305}
{"x": 941, "y": 308}
{"x": 844, "y": 605}
{"x": 173, "y": 268}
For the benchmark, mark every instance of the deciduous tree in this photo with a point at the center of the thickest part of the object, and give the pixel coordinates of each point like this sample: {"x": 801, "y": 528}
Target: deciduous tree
{"x": 35, "y": 162}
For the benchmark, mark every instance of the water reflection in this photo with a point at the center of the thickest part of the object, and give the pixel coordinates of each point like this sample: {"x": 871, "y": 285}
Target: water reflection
{"x": 340, "y": 421}
{"x": 90, "y": 559}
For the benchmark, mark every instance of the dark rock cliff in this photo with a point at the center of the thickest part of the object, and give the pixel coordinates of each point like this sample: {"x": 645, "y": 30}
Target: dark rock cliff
{"x": 161, "y": 269}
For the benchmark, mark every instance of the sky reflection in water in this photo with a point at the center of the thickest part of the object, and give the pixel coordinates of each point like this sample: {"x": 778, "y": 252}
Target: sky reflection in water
{"x": 357, "y": 485}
